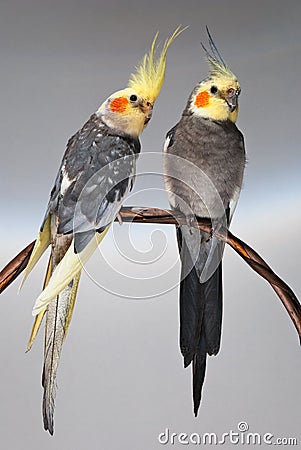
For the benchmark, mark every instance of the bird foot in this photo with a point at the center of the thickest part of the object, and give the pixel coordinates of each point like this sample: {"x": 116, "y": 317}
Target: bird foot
{"x": 216, "y": 225}
{"x": 191, "y": 220}
{"x": 119, "y": 218}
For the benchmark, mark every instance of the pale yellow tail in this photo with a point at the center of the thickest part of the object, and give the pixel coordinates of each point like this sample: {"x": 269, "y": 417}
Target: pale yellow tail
{"x": 42, "y": 243}
{"x": 39, "y": 318}
{"x": 58, "y": 317}
{"x": 66, "y": 271}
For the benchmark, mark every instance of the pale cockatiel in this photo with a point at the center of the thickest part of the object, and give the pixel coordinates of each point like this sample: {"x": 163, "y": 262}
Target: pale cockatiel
{"x": 96, "y": 173}
{"x": 204, "y": 162}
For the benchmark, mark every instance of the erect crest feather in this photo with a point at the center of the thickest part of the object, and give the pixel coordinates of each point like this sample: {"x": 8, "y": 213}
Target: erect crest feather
{"x": 149, "y": 75}
{"x": 218, "y": 67}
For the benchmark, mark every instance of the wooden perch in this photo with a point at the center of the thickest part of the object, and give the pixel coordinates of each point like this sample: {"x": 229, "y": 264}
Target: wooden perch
{"x": 160, "y": 216}
{"x": 15, "y": 267}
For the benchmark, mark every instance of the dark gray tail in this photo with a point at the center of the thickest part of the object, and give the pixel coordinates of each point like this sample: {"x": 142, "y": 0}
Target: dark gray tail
{"x": 200, "y": 318}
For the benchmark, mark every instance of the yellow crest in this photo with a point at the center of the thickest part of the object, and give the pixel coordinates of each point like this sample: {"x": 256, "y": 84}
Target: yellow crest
{"x": 218, "y": 67}
{"x": 149, "y": 75}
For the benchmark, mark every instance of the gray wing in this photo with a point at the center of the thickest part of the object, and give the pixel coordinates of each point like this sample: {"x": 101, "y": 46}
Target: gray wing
{"x": 95, "y": 175}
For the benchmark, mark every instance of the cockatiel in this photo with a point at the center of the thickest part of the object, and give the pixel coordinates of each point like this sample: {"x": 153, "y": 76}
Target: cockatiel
{"x": 204, "y": 160}
{"x": 96, "y": 173}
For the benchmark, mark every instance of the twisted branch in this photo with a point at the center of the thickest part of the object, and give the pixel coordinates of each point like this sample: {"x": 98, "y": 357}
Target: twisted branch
{"x": 160, "y": 216}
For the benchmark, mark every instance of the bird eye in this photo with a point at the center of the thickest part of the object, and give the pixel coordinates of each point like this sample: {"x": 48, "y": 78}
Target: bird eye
{"x": 213, "y": 89}
{"x": 133, "y": 98}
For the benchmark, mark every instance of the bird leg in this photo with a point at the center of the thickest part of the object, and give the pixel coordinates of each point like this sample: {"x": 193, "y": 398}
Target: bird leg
{"x": 191, "y": 221}
{"x": 119, "y": 218}
{"x": 217, "y": 224}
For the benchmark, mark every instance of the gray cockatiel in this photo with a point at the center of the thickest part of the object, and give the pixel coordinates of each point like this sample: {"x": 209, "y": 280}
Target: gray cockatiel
{"x": 204, "y": 160}
{"x": 95, "y": 175}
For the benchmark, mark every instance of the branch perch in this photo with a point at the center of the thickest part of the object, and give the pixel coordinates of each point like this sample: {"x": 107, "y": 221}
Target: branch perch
{"x": 160, "y": 216}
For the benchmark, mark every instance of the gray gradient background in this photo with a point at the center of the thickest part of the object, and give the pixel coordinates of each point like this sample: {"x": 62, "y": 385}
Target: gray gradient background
{"x": 121, "y": 380}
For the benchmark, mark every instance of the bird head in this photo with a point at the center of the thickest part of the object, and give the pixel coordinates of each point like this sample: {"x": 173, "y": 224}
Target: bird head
{"x": 130, "y": 109}
{"x": 126, "y": 111}
{"x": 216, "y": 97}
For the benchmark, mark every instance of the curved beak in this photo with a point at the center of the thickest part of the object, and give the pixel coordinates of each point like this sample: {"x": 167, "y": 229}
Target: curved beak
{"x": 147, "y": 109}
{"x": 232, "y": 101}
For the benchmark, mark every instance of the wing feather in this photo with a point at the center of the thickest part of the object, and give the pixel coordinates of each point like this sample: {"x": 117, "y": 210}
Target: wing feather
{"x": 66, "y": 270}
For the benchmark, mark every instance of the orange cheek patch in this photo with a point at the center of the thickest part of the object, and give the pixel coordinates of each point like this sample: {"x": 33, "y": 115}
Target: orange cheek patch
{"x": 202, "y": 99}
{"x": 119, "y": 104}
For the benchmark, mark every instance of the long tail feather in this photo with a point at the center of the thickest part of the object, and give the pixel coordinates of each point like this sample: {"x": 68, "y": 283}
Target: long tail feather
{"x": 35, "y": 328}
{"x": 39, "y": 318}
{"x": 198, "y": 373}
{"x": 200, "y": 314}
{"x": 58, "y": 316}
{"x": 41, "y": 244}
{"x": 57, "y": 303}
{"x": 72, "y": 299}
